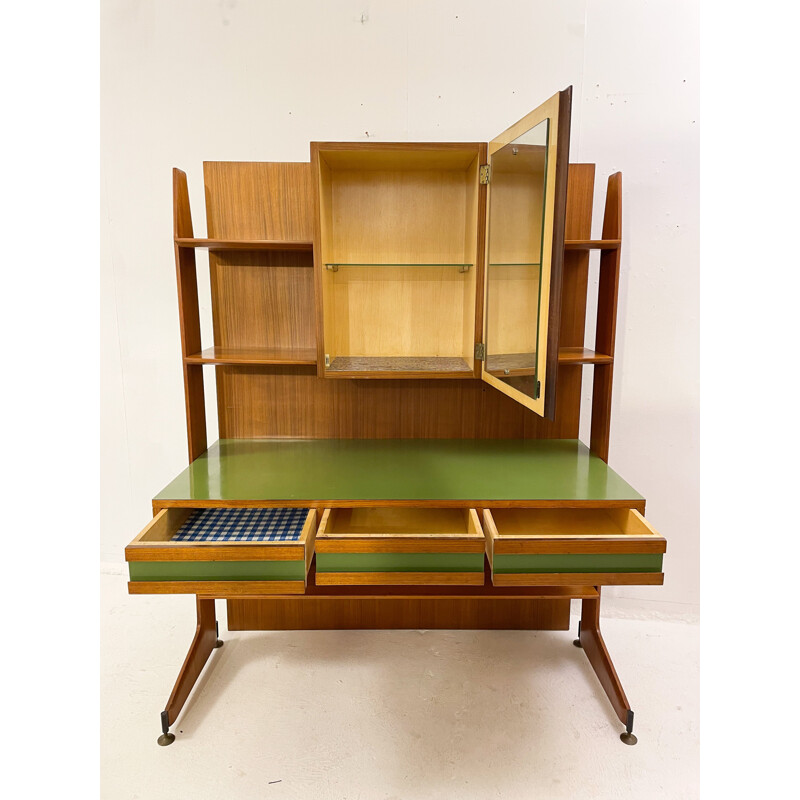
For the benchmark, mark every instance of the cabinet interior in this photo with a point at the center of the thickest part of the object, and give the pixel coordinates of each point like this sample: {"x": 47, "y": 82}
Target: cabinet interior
{"x": 399, "y": 256}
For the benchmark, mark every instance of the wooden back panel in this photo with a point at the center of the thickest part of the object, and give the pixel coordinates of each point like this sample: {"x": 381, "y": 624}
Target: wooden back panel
{"x": 254, "y": 303}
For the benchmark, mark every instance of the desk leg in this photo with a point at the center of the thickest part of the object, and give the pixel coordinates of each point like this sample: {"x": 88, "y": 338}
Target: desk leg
{"x": 591, "y": 640}
{"x": 205, "y": 640}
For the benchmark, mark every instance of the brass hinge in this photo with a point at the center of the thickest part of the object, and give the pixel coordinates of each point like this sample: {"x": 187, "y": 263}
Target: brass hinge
{"x": 538, "y": 390}
{"x": 484, "y": 174}
{"x": 480, "y": 351}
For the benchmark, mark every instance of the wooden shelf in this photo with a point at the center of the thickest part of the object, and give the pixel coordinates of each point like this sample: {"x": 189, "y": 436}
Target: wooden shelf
{"x": 253, "y": 357}
{"x": 592, "y": 244}
{"x": 580, "y": 355}
{"x": 441, "y": 366}
{"x": 244, "y": 244}
{"x": 514, "y": 365}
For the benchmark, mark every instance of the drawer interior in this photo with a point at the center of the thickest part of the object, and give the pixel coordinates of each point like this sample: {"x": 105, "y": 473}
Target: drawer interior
{"x": 190, "y": 546}
{"x": 216, "y": 526}
{"x": 532, "y": 546}
{"x": 606, "y": 523}
{"x": 401, "y": 522}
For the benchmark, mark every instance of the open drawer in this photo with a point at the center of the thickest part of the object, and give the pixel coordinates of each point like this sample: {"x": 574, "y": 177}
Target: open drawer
{"x": 223, "y": 551}
{"x": 409, "y": 546}
{"x": 557, "y": 546}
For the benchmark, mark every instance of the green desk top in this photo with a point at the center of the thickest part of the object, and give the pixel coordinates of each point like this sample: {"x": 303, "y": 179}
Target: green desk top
{"x": 398, "y": 469}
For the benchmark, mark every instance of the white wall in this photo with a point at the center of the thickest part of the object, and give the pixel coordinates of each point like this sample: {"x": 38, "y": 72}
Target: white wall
{"x": 185, "y": 81}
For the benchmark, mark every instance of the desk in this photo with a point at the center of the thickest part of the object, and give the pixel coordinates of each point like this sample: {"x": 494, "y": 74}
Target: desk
{"x": 402, "y": 473}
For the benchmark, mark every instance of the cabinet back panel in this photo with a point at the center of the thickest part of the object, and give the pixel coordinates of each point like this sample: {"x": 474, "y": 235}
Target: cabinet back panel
{"x": 259, "y": 304}
{"x": 276, "y": 200}
{"x": 575, "y": 274}
{"x": 259, "y": 200}
{"x": 397, "y": 217}
{"x": 400, "y": 311}
{"x": 292, "y": 402}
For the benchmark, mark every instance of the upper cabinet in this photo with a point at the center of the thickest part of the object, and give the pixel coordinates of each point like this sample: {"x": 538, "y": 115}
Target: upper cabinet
{"x": 413, "y": 283}
{"x": 397, "y": 255}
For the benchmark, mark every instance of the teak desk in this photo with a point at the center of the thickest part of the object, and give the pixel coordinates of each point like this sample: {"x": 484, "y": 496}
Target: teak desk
{"x": 399, "y": 350}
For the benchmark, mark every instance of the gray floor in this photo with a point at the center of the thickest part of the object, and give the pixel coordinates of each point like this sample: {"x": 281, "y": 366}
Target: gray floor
{"x": 391, "y": 715}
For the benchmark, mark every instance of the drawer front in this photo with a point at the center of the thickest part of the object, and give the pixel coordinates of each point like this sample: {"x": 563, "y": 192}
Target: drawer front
{"x": 181, "y": 552}
{"x": 569, "y": 546}
{"x": 400, "y": 546}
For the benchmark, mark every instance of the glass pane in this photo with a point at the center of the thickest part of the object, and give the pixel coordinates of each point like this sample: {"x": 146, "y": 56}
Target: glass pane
{"x": 513, "y": 270}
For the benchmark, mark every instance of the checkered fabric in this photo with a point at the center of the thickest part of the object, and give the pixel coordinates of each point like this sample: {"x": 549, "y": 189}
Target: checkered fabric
{"x": 243, "y": 525}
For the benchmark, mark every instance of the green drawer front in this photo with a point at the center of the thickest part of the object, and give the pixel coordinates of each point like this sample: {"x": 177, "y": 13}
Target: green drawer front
{"x": 399, "y": 562}
{"x": 217, "y": 570}
{"x": 595, "y": 562}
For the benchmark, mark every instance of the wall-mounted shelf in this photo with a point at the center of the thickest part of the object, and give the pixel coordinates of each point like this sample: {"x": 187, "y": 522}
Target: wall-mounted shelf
{"x": 592, "y": 244}
{"x": 580, "y": 355}
{"x": 335, "y": 267}
{"x": 253, "y": 356}
{"x": 517, "y": 364}
{"x": 244, "y": 244}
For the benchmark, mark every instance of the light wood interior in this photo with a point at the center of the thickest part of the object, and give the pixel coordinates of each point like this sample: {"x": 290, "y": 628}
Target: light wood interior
{"x": 163, "y": 526}
{"x": 398, "y": 521}
{"x": 406, "y": 207}
{"x": 567, "y": 523}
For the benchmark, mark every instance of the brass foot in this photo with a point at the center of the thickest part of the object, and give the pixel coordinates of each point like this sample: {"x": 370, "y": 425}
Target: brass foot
{"x": 166, "y": 738}
{"x": 219, "y": 643}
{"x": 628, "y": 738}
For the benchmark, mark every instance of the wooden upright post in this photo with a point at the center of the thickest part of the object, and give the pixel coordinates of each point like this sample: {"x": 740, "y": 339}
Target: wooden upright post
{"x": 189, "y": 311}
{"x": 608, "y": 293}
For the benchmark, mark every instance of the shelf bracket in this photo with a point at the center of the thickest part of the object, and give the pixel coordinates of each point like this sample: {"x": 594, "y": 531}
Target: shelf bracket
{"x": 332, "y": 267}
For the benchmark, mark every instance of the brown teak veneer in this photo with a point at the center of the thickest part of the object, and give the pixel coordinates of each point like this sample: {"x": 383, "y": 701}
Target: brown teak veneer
{"x": 349, "y": 301}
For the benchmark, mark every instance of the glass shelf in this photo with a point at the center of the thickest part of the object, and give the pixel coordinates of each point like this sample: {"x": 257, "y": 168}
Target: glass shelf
{"x": 516, "y": 264}
{"x": 335, "y": 267}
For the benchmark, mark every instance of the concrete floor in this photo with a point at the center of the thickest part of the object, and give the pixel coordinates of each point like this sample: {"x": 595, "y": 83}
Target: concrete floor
{"x": 392, "y": 715}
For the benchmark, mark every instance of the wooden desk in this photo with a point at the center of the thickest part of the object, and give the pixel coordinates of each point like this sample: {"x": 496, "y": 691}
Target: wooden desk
{"x": 324, "y": 473}
{"x": 364, "y": 304}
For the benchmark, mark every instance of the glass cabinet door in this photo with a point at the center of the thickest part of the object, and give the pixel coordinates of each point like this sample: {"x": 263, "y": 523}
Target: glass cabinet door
{"x": 526, "y": 210}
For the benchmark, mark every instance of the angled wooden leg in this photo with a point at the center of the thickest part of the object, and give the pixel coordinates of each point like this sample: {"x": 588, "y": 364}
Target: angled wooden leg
{"x": 205, "y": 640}
{"x": 591, "y": 640}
